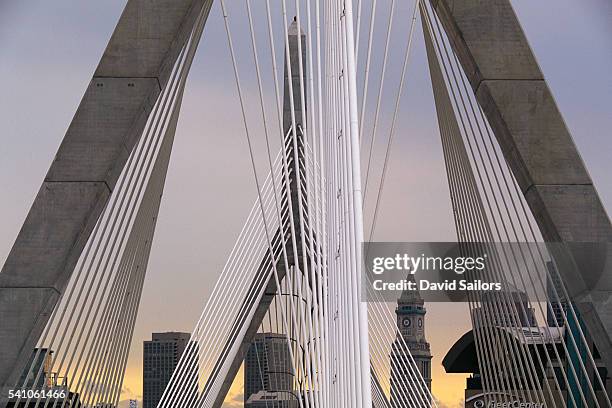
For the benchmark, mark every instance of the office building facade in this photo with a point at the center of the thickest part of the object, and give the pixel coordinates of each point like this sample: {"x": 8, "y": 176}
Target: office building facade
{"x": 267, "y": 369}
{"x": 160, "y": 357}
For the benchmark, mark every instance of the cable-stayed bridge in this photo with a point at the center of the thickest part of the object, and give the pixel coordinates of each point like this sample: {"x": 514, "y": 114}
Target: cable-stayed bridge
{"x": 73, "y": 279}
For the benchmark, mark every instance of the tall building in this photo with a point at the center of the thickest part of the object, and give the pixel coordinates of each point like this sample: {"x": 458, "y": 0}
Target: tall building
{"x": 160, "y": 357}
{"x": 267, "y": 371}
{"x": 39, "y": 370}
{"x": 410, "y": 314}
{"x": 556, "y": 296}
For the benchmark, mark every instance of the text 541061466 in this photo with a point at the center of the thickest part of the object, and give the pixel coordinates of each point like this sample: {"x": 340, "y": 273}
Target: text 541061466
{"x": 43, "y": 393}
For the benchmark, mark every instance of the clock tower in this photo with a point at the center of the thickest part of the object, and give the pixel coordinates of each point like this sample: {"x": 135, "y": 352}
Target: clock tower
{"x": 410, "y": 313}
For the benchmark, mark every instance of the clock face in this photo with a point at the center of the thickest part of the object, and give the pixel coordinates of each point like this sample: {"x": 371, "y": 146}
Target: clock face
{"x": 406, "y": 322}
{"x": 420, "y": 322}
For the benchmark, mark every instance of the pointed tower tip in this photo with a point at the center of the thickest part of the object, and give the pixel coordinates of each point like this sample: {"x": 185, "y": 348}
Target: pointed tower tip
{"x": 293, "y": 28}
{"x": 410, "y": 296}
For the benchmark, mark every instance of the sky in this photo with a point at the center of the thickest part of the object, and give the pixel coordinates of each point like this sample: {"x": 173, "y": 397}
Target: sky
{"x": 49, "y": 50}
